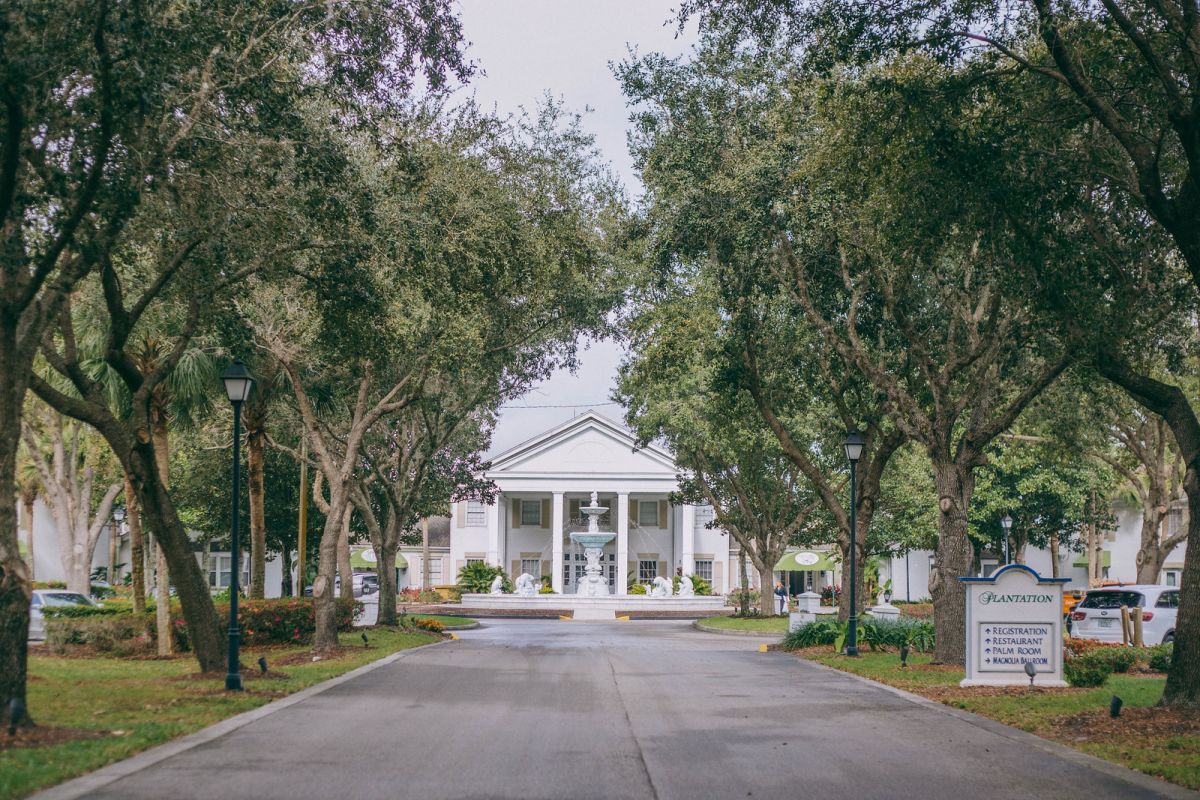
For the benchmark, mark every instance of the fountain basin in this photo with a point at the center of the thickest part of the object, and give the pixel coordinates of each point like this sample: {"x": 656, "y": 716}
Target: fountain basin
{"x": 592, "y": 539}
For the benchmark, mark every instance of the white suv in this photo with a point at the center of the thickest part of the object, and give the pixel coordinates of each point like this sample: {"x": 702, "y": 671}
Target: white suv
{"x": 1098, "y": 615}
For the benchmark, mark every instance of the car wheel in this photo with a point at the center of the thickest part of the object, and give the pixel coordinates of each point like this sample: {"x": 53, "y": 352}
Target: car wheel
{"x": 1170, "y": 637}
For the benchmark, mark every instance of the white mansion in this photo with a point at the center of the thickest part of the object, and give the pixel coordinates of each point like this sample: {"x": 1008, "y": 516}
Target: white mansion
{"x": 541, "y": 484}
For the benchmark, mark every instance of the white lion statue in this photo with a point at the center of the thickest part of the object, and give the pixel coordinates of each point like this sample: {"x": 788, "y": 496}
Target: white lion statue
{"x": 661, "y": 587}
{"x": 686, "y": 589}
{"x": 526, "y": 586}
{"x": 497, "y": 585}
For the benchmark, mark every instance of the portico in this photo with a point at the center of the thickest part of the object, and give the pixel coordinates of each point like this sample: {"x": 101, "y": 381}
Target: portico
{"x": 542, "y": 484}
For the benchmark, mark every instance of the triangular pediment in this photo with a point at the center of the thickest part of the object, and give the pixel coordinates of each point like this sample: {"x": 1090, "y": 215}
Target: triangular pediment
{"x": 587, "y": 445}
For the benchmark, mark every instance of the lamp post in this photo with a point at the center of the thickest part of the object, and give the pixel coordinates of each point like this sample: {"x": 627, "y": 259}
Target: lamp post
{"x": 1006, "y": 524}
{"x": 238, "y": 384}
{"x": 855, "y": 442}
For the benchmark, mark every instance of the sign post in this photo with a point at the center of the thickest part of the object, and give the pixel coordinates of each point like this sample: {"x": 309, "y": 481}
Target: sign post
{"x": 1014, "y": 617}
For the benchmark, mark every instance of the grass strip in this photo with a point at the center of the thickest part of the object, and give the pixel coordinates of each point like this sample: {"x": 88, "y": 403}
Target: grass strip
{"x": 120, "y": 707}
{"x": 1161, "y": 742}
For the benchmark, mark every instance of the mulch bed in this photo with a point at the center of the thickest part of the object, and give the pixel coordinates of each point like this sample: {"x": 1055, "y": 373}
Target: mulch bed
{"x": 1154, "y": 721}
{"x": 48, "y": 736}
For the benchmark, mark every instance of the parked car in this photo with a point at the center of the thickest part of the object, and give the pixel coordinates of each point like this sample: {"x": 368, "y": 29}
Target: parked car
{"x": 1098, "y": 615}
{"x": 44, "y": 598}
{"x": 369, "y": 582}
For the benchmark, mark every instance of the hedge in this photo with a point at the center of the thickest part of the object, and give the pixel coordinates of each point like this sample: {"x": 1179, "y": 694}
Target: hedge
{"x": 278, "y": 621}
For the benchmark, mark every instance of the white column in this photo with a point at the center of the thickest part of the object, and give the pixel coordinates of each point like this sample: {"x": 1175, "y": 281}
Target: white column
{"x": 622, "y": 543}
{"x": 688, "y": 536}
{"x": 556, "y": 533}
{"x": 493, "y": 526}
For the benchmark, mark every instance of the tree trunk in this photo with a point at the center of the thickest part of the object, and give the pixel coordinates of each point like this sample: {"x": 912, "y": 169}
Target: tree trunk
{"x": 15, "y": 584}
{"x": 767, "y": 601}
{"x": 324, "y": 607}
{"x": 159, "y": 514}
{"x": 345, "y": 571}
{"x": 137, "y": 549}
{"x": 255, "y": 444}
{"x": 952, "y": 561}
{"x": 162, "y": 572}
{"x": 386, "y": 559}
{"x": 862, "y": 524}
{"x": 114, "y": 532}
{"x": 1149, "y": 556}
{"x": 1054, "y": 565}
{"x": 28, "y": 505}
{"x": 1183, "y": 678}
{"x": 744, "y": 599}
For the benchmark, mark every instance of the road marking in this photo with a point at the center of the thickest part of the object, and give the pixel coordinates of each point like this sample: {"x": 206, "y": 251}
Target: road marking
{"x": 625, "y": 618}
{"x": 568, "y": 619}
{"x": 762, "y": 648}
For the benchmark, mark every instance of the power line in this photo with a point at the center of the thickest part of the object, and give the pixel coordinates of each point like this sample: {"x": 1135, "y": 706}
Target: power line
{"x": 568, "y": 405}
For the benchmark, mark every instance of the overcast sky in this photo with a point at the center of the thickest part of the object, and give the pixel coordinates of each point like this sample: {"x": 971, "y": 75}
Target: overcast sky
{"x": 527, "y": 47}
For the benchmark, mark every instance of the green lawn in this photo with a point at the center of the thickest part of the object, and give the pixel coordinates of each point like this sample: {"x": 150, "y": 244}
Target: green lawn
{"x": 449, "y": 622}
{"x": 1140, "y": 742}
{"x": 777, "y": 625}
{"x": 141, "y": 703}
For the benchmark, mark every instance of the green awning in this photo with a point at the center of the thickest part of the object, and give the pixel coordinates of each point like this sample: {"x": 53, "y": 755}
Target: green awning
{"x": 806, "y": 561}
{"x": 364, "y": 558}
{"x": 1082, "y": 561}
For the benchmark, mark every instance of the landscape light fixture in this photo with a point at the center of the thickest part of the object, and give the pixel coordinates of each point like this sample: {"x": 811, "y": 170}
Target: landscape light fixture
{"x": 366, "y": 641}
{"x": 262, "y": 664}
{"x": 1114, "y": 708}
{"x": 854, "y": 445}
{"x": 1006, "y": 524}
{"x": 238, "y": 385}
{"x": 904, "y": 656}
{"x": 1031, "y": 671}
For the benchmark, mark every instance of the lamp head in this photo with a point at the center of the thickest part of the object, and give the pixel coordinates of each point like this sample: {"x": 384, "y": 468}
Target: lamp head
{"x": 854, "y": 445}
{"x": 238, "y": 381}
{"x": 119, "y": 514}
{"x": 1006, "y": 523}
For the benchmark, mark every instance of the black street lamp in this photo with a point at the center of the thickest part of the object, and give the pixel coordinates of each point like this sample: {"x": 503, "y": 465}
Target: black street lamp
{"x": 1006, "y": 524}
{"x": 238, "y": 384}
{"x": 855, "y": 442}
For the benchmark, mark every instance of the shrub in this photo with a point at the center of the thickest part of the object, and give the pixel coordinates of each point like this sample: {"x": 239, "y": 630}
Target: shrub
{"x": 637, "y": 588}
{"x": 1118, "y": 659}
{"x": 547, "y": 587}
{"x": 426, "y": 624}
{"x": 476, "y": 578}
{"x": 286, "y": 620}
{"x": 915, "y": 610}
{"x": 1159, "y": 657}
{"x": 81, "y": 612}
{"x": 123, "y": 634}
{"x": 812, "y": 634}
{"x": 890, "y": 634}
{"x": 1086, "y": 673}
{"x": 734, "y": 598}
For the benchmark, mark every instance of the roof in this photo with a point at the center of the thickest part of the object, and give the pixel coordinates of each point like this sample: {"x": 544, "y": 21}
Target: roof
{"x": 524, "y": 457}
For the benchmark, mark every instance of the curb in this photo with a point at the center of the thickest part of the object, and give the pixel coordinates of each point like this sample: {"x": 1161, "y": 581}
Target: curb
{"x": 84, "y": 785}
{"x": 457, "y": 628}
{"x": 1078, "y": 757}
{"x": 719, "y": 632}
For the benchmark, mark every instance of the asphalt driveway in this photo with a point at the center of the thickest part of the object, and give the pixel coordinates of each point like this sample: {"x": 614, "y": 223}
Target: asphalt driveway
{"x": 548, "y": 709}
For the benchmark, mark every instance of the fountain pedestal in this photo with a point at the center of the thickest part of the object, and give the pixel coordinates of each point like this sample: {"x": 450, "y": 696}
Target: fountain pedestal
{"x": 593, "y": 583}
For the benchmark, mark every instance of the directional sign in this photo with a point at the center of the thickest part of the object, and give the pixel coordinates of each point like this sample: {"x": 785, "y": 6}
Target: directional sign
{"x": 1008, "y": 646}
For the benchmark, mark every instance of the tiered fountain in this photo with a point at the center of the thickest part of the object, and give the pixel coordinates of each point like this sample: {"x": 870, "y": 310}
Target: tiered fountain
{"x": 593, "y": 583}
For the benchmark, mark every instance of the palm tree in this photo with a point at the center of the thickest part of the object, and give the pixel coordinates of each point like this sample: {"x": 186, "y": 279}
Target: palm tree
{"x": 270, "y": 382}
